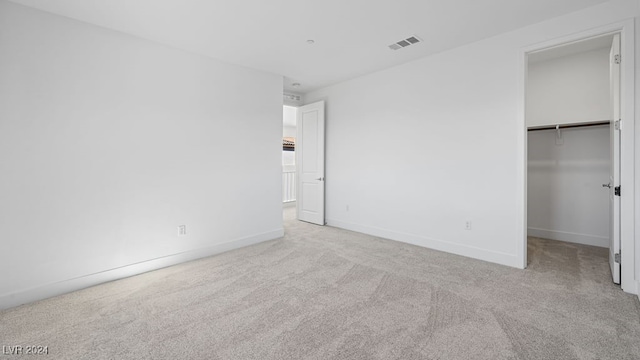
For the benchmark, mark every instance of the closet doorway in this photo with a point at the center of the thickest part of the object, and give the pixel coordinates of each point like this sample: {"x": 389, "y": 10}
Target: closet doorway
{"x": 573, "y": 156}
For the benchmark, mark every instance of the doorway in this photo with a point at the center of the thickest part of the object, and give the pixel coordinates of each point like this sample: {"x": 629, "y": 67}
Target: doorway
{"x": 289, "y": 118}
{"x": 303, "y": 167}
{"x": 567, "y": 131}
{"x": 569, "y": 112}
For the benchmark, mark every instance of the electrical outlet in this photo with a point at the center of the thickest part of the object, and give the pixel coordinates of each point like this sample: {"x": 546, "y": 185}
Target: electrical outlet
{"x": 467, "y": 225}
{"x": 182, "y": 230}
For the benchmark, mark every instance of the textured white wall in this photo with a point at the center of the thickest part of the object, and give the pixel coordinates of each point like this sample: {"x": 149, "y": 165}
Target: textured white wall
{"x": 109, "y": 142}
{"x": 566, "y": 198}
{"x": 453, "y": 117}
{"x": 570, "y": 89}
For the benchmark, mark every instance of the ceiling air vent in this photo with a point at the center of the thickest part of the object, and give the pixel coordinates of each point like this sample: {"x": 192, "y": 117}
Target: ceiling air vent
{"x": 291, "y": 97}
{"x": 404, "y": 43}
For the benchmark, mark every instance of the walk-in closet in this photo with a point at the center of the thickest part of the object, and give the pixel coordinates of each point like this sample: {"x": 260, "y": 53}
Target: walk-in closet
{"x": 571, "y": 97}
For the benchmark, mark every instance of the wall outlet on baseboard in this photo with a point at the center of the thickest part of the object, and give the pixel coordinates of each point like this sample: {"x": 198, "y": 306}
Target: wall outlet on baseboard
{"x": 467, "y": 225}
{"x": 182, "y": 230}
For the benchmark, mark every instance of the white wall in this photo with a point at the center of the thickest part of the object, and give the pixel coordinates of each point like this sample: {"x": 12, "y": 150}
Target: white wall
{"x": 288, "y": 160}
{"x": 289, "y": 119}
{"x": 569, "y": 89}
{"x": 453, "y": 117}
{"x": 289, "y": 131}
{"x": 566, "y": 199}
{"x": 109, "y": 142}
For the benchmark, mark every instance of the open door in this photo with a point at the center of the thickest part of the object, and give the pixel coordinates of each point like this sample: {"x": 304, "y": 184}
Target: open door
{"x": 310, "y": 163}
{"x": 614, "y": 177}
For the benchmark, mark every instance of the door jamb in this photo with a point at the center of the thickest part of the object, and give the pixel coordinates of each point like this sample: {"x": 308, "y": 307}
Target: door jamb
{"x": 627, "y": 140}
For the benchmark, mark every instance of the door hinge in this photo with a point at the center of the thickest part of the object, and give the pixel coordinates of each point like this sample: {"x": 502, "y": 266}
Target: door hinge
{"x": 618, "y": 124}
{"x": 617, "y": 58}
{"x": 616, "y": 191}
{"x": 617, "y": 258}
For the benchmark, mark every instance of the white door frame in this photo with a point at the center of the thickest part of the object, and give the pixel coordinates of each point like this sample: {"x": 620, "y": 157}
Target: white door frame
{"x": 627, "y": 140}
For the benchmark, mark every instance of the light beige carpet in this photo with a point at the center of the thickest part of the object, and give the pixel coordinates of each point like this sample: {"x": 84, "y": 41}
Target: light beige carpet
{"x": 326, "y": 293}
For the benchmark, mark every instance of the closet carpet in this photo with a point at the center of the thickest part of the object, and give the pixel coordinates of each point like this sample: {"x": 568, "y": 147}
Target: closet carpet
{"x": 326, "y": 293}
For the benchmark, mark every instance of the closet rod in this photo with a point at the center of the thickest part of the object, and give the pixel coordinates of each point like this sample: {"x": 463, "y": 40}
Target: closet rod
{"x": 599, "y": 123}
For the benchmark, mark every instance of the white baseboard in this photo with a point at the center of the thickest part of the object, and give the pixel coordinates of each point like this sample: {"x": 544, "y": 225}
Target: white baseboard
{"x": 82, "y": 282}
{"x": 583, "y": 239}
{"x": 289, "y": 204}
{"x": 435, "y": 244}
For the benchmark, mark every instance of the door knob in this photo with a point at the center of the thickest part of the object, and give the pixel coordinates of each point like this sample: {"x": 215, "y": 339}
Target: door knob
{"x": 607, "y": 185}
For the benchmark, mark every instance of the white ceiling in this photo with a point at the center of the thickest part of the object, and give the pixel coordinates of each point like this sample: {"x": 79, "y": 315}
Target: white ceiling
{"x": 351, "y": 36}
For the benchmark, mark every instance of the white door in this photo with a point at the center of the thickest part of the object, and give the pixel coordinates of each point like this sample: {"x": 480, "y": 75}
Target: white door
{"x": 614, "y": 177}
{"x": 310, "y": 163}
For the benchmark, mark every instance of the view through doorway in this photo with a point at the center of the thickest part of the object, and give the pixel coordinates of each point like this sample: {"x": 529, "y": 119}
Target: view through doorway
{"x": 573, "y": 166}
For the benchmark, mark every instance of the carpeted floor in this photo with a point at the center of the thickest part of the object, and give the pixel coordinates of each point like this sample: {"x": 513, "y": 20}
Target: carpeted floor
{"x": 326, "y": 293}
